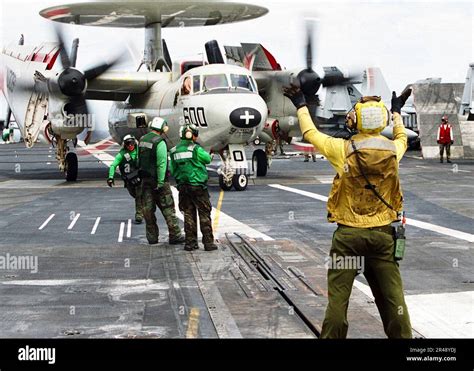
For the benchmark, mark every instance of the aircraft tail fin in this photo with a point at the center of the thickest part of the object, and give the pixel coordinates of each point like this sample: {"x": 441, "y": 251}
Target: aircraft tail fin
{"x": 252, "y": 56}
{"x": 374, "y": 83}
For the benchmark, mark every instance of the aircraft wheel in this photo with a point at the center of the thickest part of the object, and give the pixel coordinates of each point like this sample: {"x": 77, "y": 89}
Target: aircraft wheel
{"x": 240, "y": 182}
{"x": 225, "y": 185}
{"x": 71, "y": 167}
{"x": 259, "y": 162}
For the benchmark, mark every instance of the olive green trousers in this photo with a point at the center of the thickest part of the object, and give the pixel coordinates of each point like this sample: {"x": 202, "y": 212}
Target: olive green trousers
{"x": 376, "y": 246}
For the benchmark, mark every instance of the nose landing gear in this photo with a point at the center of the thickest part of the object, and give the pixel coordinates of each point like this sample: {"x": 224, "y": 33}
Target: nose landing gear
{"x": 71, "y": 167}
{"x": 259, "y": 162}
{"x": 234, "y": 170}
{"x": 67, "y": 162}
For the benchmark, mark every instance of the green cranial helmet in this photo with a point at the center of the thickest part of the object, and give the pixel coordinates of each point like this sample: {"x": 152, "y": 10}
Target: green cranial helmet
{"x": 189, "y": 131}
{"x": 159, "y": 124}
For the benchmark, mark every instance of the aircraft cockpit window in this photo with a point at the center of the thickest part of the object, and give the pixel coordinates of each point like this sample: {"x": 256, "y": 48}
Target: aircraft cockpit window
{"x": 215, "y": 82}
{"x": 254, "y": 84}
{"x": 196, "y": 84}
{"x": 186, "y": 87}
{"x": 242, "y": 82}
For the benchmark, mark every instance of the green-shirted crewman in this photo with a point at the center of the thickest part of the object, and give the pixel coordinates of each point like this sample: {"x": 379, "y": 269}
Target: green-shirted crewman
{"x": 156, "y": 190}
{"x": 127, "y": 161}
{"x": 188, "y": 162}
{"x": 365, "y": 199}
{"x": 7, "y": 135}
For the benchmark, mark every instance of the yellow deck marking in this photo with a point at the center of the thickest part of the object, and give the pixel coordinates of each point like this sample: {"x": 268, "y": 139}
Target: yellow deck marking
{"x": 193, "y": 324}
{"x": 218, "y": 212}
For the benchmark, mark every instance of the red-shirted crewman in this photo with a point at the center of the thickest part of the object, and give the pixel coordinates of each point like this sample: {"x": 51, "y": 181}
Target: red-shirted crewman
{"x": 445, "y": 139}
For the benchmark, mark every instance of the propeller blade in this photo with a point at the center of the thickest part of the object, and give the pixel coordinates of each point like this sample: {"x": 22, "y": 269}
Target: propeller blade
{"x": 76, "y": 106}
{"x": 166, "y": 55}
{"x": 94, "y": 72}
{"x": 75, "y": 46}
{"x": 9, "y": 116}
{"x": 65, "y": 61}
{"x": 328, "y": 81}
{"x": 214, "y": 55}
{"x": 309, "y": 46}
{"x": 334, "y": 76}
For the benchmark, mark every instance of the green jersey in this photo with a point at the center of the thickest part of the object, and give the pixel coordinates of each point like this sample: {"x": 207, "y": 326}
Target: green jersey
{"x": 126, "y": 160}
{"x": 188, "y": 163}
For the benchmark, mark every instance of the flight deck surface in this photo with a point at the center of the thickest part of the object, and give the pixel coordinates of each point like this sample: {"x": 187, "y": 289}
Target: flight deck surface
{"x": 97, "y": 277}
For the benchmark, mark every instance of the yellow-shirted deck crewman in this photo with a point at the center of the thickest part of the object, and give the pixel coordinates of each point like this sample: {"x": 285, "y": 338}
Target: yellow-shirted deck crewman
{"x": 364, "y": 201}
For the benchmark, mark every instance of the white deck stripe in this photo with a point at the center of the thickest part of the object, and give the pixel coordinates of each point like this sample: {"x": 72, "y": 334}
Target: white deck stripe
{"x": 303, "y": 193}
{"x": 27, "y": 184}
{"x": 46, "y": 221}
{"x": 413, "y": 222}
{"x": 71, "y": 226}
{"x": 101, "y": 155}
{"x": 96, "y": 224}
{"x": 129, "y": 228}
{"x": 227, "y": 224}
{"x": 441, "y": 230}
{"x": 122, "y": 227}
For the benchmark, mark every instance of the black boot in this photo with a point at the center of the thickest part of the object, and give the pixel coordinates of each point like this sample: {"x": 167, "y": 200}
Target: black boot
{"x": 191, "y": 246}
{"x": 177, "y": 240}
{"x": 210, "y": 246}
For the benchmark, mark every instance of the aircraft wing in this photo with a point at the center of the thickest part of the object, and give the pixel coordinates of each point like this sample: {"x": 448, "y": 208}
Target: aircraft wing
{"x": 117, "y": 85}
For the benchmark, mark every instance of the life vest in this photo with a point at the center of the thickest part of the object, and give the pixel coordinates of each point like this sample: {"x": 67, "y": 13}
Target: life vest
{"x": 147, "y": 155}
{"x": 445, "y": 134}
{"x": 129, "y": 164}
{"x": 187, "y": 168}
{"x": 351, "y": 201}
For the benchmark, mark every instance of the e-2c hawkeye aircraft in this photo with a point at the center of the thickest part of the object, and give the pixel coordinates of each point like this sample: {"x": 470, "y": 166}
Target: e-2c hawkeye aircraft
{"x": 223, "y": 100}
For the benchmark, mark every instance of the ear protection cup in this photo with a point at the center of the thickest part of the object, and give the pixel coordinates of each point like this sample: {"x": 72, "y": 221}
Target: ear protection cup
{"x": 188, "y": 132}
{"x": 351, "y": 120}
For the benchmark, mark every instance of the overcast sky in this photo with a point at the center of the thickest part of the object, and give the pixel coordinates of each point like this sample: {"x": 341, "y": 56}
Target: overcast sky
{"x": 407, "y": 40}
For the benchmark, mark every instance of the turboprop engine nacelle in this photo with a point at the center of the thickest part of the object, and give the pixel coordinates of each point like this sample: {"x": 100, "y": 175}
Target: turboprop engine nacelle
{"x": 64, "y": 123}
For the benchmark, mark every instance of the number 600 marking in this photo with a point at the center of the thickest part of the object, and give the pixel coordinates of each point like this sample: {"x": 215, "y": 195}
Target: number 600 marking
{"x": 195, "y": 116}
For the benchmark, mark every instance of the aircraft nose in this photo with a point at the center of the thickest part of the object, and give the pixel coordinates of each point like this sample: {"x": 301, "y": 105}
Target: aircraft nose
{"x": 245, "y": 117}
